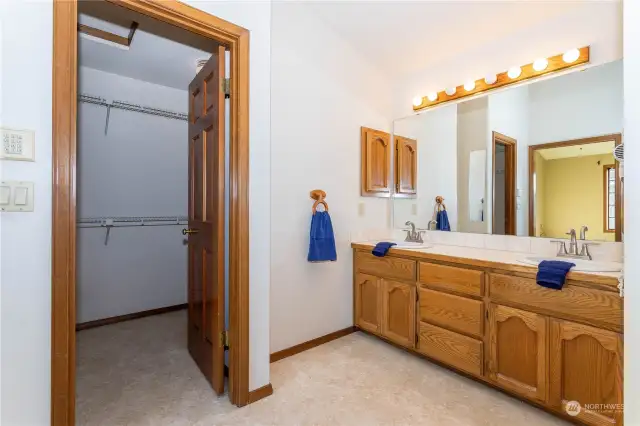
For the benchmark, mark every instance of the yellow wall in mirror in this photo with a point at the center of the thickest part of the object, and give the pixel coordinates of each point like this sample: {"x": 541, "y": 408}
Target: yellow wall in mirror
{"x": 569, "y": 194}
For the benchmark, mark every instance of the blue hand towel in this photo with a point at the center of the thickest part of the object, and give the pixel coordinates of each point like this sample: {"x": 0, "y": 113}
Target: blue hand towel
{"x": 382, "y": 248}
{"x": 553, "y": 273}
{"x": 442, "y": 221}
{"x": 322, "y": 243}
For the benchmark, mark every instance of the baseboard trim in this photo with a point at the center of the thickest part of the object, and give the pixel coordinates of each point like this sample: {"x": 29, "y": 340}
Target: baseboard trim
{"x": 293, "y": 350}
{"x": 129, "y": 317}
{"x": 258, "y": 394}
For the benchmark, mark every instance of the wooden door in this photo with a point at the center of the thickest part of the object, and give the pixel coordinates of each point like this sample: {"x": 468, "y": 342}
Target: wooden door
{"x": 368, "y": 303}
{"x": 586, "y": 369}
{"x": 399, "y": 312}
{"x": 504, "y": 195}
{"x": 406, "y": 166}
{"x": 375, "y": 162}
{"x": 206, "y": 220}
{"x": 518, "y": 351}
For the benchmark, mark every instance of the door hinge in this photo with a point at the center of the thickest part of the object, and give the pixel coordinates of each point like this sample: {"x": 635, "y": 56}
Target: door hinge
{"x": 224, "y": 339}
{"x": 226, "y": 87}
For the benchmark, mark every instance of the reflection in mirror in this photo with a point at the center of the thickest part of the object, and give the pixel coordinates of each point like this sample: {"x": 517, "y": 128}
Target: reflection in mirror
{"x": 530, "y": 160}
{"x": 575, "y": 182}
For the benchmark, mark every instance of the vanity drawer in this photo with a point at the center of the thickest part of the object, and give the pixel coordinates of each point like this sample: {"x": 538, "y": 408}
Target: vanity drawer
{"x": 388, "y": 266}
{"x": 451, "y": 348}
{"x": 467, "y": 281}
{"x": 450, "y": 311}
{"x": 586, "y": 304}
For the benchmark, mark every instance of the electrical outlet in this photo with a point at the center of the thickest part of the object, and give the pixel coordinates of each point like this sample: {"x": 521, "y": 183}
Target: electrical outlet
{"x": 17, "y": 145}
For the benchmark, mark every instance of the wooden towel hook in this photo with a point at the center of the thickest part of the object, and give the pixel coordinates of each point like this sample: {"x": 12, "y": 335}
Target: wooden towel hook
{"x": 440, "y": 202}
{"x": 319, "y": 195}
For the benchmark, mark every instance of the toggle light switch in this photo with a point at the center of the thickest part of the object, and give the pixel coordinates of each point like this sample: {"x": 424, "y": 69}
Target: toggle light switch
{"x": 5, "y": 195}
{"x": 22, "y": 195}
{"x": 16, "y": 196}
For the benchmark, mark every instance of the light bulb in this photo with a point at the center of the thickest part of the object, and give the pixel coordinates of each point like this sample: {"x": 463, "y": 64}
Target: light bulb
{"x": 514, "y": 72}
{"x": 417, "y": 101}
{"x": 540, "y": 64}
{"x": 469, "y": 85}
{"x": 433, "y": 96}
{"x": 491, "y": 78}
{"x": 571, "y": 56}
{"x": 450, "y": 91}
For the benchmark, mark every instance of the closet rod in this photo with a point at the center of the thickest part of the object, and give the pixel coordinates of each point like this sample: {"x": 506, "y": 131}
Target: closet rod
{"x": 120, "y": 221}
{"x": 127, "y": 106}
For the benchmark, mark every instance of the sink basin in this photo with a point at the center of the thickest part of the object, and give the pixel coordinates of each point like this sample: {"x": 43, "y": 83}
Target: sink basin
{"x": 581, "y": 265}
{"x": 408, "y": 245}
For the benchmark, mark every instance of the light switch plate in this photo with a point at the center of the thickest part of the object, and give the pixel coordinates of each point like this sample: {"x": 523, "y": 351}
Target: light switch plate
{"x": 17, "y": 145}
{"x": 20, "y": 196}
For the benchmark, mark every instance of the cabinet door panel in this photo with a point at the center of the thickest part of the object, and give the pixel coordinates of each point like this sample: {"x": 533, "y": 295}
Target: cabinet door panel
{"x": 586, "y": 367}
{"x": 518, "y": 351}
{"x": 399, "y": 312}
{"x": 376, "y": 162}
{"x": 406, "y": 166}
{"x": 368, "y": 302}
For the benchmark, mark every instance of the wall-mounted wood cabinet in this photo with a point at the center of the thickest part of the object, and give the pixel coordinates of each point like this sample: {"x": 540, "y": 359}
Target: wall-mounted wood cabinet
{"x": 375, "y": 163}
{"x": 406, "y": 166}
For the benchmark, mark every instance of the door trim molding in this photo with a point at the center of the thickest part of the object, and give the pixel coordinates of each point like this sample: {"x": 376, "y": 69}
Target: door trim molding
{"x": 64, "y": 83}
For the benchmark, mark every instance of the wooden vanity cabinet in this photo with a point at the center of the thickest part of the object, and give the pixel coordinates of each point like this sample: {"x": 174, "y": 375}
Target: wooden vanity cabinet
{"x": 586, "y": 366}
{"x": 375, "y": 163}
{"x": 518, "y": 351}
{"x": 493, "y": 322}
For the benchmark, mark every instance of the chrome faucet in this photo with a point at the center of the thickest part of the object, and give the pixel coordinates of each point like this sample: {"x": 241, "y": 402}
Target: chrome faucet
{"x": 583, "y": 232}
{"x": 573, "y": 245}
{"x": 435, "y": 224}
{"x": 413, "y": 236}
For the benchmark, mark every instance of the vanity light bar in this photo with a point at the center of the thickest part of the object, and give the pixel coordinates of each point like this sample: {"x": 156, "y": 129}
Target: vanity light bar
{"x": 542, "y": 66}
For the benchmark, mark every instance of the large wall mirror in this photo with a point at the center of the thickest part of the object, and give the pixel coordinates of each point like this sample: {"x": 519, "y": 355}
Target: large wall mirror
{"x": 533, "y": 160}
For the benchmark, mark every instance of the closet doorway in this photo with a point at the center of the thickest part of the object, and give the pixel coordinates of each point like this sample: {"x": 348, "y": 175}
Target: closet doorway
{"x": 204, "y": 226}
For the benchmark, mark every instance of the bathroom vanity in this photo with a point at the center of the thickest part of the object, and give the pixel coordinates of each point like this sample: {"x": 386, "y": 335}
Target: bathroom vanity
{"x": 481, "y": 313}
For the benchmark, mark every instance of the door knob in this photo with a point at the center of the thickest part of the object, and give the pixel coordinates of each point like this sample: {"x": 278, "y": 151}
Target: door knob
{"x": 189, "y": 231}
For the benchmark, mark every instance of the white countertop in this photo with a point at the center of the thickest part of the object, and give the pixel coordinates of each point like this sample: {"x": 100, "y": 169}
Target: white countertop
{"x": 499, "y": 256}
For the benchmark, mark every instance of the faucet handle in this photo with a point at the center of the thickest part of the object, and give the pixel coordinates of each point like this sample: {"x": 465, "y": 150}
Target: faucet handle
{"x": 562, "y": 248}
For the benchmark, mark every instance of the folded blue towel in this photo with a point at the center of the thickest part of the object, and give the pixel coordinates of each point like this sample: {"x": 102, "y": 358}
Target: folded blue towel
{"x": 442, "y": 221}
{"x": 382, "y": 248}
{"x": 322, "y": 243}
{"x": 553, "y": 273}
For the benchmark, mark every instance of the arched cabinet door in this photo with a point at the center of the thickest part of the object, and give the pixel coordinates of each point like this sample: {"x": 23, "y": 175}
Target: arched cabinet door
{"x": 406, "y": 166}
{"x": 376, "y": 159}
{"x": 518, "y": 351}
{"x": 586, "y": 372}
{"x": 368, "y": 301}
{"x": 399, "y": 312}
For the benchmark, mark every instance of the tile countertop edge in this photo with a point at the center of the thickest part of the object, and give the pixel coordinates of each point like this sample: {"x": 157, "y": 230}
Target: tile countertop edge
{"x": 607, "y": 279}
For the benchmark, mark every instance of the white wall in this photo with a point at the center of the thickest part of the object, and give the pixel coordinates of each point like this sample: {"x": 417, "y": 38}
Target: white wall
{"x": 509, "y": 115}
{"x": 594, "y": 24}
{"x": 26, "y": 238}
{"x": 632, "y": 206}
{"x": 436, "y": 133}
{"x": 323, "y": 91}
{"x": 140, "y": 268}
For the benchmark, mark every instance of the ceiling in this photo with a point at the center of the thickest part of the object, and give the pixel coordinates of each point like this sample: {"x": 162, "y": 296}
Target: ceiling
{"x": 405, "y": 37}
{"x": 578, "y": 150}
{"x": 159, "y": 52}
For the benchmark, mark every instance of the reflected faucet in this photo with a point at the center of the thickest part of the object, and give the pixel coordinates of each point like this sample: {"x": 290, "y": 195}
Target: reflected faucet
{"x": 583, "y": 232}
{"x": 412, "y": 235}
{"x": 435, "y": 224}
